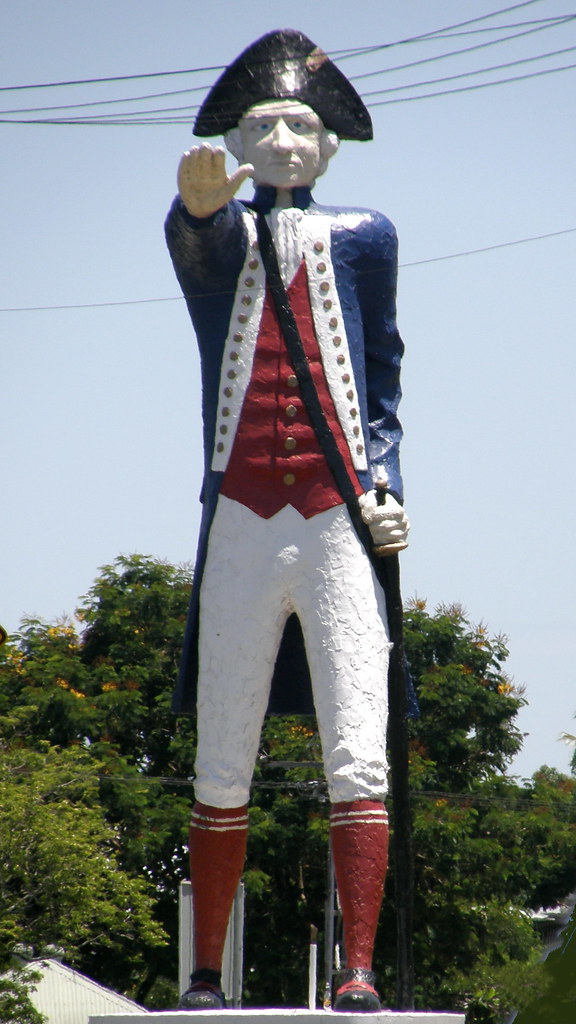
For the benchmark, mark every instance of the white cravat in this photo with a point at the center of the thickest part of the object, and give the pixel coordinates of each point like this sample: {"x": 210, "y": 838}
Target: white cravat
{"x": 285, "y": 228}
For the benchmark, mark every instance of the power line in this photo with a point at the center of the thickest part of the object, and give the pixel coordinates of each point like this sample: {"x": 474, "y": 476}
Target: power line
{"x": 472, "y": 88}
{"x": 464, "y": 50}
{"x": 519, "y": 801}
{"x": 340, "y": 54}
{"x": 143, "y": 118}
{"x": 370, "y": 74}
{"x": 180, "y": 298}
{"x": 541, "y": 25}
{"x": 480, "y": 71}
{"x": 107, "y": 103}
{"x": 489, "y": 248}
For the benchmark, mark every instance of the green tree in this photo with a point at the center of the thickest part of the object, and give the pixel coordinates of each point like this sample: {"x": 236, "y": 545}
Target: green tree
{"x": 15, "y": 1004}
{"x": 487, "y": 850}
{"x": 103, "y": 683}
{"x": 60, "y": 879}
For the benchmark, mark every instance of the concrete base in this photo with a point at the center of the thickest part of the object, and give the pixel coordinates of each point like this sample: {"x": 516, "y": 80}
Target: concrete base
{"x": 283, "y": 1017}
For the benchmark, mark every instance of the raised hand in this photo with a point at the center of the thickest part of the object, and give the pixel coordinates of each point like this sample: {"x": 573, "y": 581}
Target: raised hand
{"x": 203, "y": 183}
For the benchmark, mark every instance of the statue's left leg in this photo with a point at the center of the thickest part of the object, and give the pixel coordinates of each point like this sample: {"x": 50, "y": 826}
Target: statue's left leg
{"x": 359, "y": 833}
{"x": 343, "y": 616}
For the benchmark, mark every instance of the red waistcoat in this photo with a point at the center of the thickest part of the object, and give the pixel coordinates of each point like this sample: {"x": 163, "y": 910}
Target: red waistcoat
{"x": 276, "y": 459}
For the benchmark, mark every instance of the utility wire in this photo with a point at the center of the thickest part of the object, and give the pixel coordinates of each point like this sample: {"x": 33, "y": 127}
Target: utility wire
{"x": 457, "y": 53}
{"x": 472, "y": 88}
{"x": 391, "y": 89}
{"x": 143, "y": 117}
{"x": 340, "y": 54}
{"x": 180, "y": 298}
{"x": 488, "y": 248}
{"x": 184, "y": 118}
{"x": 519, "y": 801}
{"x": 369, "y": 74}
{"x": 470, "y": 74}
{"x": 540, "y": 26}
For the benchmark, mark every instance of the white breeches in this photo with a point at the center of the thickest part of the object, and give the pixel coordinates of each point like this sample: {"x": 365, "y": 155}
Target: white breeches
{"x": 258, "y": 571}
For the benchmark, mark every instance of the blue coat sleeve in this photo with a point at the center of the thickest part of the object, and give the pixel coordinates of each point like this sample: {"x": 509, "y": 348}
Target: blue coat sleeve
{"x": 365, "y": 258}
{"x": 383, "y": 349}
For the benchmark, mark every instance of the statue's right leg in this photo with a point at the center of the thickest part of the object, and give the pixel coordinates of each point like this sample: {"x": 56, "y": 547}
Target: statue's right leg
{"x": 241, "y": 624}
{"x": 217, "y": 850}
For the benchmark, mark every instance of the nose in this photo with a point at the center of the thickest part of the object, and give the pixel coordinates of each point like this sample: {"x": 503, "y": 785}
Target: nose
{"x": 281, "y": 137}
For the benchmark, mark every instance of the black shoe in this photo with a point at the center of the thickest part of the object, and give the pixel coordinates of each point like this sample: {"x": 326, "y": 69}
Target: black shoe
{"x": 204, "y": 992}
{"x": 356, "y": 993}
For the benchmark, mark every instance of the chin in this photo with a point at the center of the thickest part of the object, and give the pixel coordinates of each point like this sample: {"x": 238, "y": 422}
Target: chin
{"x": 292, "y": 181}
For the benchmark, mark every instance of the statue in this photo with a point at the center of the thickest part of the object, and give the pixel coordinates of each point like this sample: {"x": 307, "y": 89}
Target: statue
{"x": 301, "y": 454}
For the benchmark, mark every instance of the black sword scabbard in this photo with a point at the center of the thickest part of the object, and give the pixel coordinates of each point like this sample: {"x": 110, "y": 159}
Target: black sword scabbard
{"x": 388, "y": 574}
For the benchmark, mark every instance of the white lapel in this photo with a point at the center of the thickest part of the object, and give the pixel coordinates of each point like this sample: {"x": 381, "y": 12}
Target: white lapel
{"x": 331, "y": 332}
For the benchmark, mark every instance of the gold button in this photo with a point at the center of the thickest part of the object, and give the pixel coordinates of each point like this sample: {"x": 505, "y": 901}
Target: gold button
{"x": 290, "y": 444}
{"x": 289, "y": 479}
{"x": 354, "y": 412}
{"x": 359, "y": 448}
{"x": 243, "y": 318}
{"x": 246, "y": 300}
{"x": 327, "y": 303}
{"x": 220, "y": 446}
{"x": 225, "y": 411}
{"x": 336, "y": 340}
{"x": 234, "y": 355}
{"x": 249, "y": 282}
{"x": 341, "y": 359}
{"x": 291, "y": 410}
{"x": 223, "y": 429}
{"x": 321, "y": 268}
{"x": 228, "y": 392}
{"x": 319, "y": 246}
{"x": 231, "y": 374}
{"x": 350, "y": 395}
{"x": 253, "y": 264}
{"x": 292, "y": 381}
{"x": 345, "y": 378}
{"x": 324, "y": 287}
{"x": 356, "y": 431}
{"x": 255, "y": 246}
{"x": 333, "y": 321}
{"x": 238, "y": 337}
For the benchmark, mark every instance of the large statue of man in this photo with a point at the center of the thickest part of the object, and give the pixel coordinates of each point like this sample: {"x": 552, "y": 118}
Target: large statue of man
{"x": 284, "y": 590}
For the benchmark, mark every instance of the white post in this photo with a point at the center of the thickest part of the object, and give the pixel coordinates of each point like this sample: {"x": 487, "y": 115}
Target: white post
{"x": 232, "y": 961}
{"x": 313, "y": 968}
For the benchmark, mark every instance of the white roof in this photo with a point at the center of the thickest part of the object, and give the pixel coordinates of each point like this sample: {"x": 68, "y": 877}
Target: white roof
{"x": 65, "y": 996}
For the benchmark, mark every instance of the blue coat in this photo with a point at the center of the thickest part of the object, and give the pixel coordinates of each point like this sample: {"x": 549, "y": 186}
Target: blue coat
{"x": 355, "y": 252}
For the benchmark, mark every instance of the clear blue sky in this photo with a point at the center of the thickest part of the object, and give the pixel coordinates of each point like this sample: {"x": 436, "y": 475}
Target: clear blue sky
{"x": 100, "y": 405}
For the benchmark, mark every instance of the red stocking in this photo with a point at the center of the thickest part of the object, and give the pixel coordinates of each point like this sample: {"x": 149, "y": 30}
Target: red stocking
{"x": 217, "y": 851}
{"x": 359, "y": 833}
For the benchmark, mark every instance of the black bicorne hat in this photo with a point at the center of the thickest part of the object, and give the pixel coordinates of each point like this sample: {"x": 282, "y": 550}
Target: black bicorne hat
{"x": 284, "y": 65}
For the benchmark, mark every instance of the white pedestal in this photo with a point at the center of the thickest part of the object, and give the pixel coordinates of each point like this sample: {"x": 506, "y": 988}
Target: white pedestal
{"x": 282, "y": 1017}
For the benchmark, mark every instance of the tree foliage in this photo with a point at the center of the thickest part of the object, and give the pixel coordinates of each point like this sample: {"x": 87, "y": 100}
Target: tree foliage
{"x": 15, "y": 1004}
{"x": 60, "y": 882}
{"x": 92, "y": 747}
{"x": 100, "y": 685}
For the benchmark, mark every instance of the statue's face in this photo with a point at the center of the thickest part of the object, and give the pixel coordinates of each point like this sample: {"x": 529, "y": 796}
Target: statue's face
{"x": 286, "y": 143}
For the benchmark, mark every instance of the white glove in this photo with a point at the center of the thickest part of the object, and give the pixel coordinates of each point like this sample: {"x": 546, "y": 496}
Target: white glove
{"x": 388, "y": 522}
